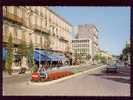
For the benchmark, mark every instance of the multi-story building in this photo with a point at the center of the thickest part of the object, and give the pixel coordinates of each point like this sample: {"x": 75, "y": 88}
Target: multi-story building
{"x": 81, "y": 46}
{"x": 106, "y": 54}
{"x": 37, "y": 24}
{"x": 86, "y": 40}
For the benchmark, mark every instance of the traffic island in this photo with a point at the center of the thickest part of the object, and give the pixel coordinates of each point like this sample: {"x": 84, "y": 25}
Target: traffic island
{"x": 55, "y": 77}
{"x": 51, "y": 76}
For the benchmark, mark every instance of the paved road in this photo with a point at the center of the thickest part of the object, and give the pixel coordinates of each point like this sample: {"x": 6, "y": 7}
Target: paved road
{"x": 89, "y": 84}
{"x": 25, "y": 77}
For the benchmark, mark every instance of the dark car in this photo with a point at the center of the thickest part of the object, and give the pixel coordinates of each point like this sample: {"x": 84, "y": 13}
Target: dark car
{"x": 112, "y": 68}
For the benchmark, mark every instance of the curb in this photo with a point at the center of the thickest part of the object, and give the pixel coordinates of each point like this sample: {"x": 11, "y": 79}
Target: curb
{"x": 64, "y": 78}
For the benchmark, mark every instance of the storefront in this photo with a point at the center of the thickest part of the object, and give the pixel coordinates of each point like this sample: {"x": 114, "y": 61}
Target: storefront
{"x": 40, "y": 56}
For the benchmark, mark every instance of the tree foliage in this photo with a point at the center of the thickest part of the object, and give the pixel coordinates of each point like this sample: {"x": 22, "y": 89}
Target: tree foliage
{"x": 22, "y": 49}
{"x": 97, "y": 57}
{"x": 103, "y": 60}
{"x": 47, "y": 47}
{"x": 9, "y": 59}
{"x": 31, "y": 54}
{"x": 125, "y": 53}
{"x": 88, "y": 57}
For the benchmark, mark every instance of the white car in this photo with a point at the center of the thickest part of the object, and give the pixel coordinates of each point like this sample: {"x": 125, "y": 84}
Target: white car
{"x": 112, "y": 68}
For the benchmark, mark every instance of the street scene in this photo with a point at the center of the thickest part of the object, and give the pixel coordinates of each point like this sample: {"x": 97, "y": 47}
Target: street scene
{"x": 54, "y": 51}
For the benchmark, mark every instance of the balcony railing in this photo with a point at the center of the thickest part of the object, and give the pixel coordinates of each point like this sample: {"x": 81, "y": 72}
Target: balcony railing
{"x": 15, "y": 40}
{"x": 63, "y": 39}
{"x": 5, "y": 39}
{"x": 41, "y": 29}
{"x": 13, "y": 17}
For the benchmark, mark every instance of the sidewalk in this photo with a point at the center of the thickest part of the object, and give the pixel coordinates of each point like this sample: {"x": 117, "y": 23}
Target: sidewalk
{"x": 6, "y": 75}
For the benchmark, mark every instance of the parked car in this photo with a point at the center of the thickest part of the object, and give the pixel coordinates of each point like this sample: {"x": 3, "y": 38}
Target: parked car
{"x": 112, "y": 68}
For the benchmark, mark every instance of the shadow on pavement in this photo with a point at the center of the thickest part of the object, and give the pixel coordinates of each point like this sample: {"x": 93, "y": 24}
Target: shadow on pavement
{"x": 119, "y": 77}
{"x": 122, "y": 80}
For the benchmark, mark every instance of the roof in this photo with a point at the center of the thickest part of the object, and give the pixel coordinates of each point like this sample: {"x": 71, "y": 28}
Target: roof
{"x": 58, "y": 16}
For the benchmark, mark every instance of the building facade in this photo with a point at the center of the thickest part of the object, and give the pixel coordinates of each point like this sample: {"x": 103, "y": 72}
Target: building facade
{"x": 81, "y": 46}
{"x": 108, "y": 56}
{"x": 86, "y": 40}
{"x": 38, "y": 24}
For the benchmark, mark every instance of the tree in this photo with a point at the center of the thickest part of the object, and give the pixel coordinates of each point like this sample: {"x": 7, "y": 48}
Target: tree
{"x": 88, "y": 57}
{"x": 23, "y": 47}
{"x": 103, "y": 60}
{"x": 76, "y": 56}
{"x": 47, "y": 47}
{"x": 67, "y": 49}
{"x": 125, "y": 53}
{"x": 121, "y": 57}
{"x": 68, "y": 54}
{"x": 83, "y": 52}
{"x": 31, "y": 54}
{"x": 97, "y": 57}
{"x": 9, "y": 55}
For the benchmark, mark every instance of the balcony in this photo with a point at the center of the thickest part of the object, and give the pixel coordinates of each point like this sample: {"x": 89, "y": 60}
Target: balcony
{"x": 13, "y": 17}
{"x": 5, "y": 38}
{"x": 16, "y": 41}
{"x": 63, "y": 39}
{"x": 41, "y": 29}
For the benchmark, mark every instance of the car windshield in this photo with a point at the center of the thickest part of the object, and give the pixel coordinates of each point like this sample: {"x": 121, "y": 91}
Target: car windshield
{"x": 113, "y": 65}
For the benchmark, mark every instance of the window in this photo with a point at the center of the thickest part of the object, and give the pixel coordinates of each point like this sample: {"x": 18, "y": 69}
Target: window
{"x": 36, "y": 10}
{"x": 19, "y": 33}
{"x": 10, "y": 9}
{"x": 35, "y": 38}
{"x": 15, "y": 32}
{"x": 19, "y": 12}
{"x": 5, "y": 30}
{"x": 38, "y": 21}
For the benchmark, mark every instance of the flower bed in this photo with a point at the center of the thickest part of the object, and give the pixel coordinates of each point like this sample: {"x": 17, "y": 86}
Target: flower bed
{"x": 52, "y": 75}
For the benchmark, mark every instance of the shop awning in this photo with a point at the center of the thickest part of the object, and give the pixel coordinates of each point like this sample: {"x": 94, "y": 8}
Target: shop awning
{"x": 53, "y": 57}
{"x": 40, "y": 55}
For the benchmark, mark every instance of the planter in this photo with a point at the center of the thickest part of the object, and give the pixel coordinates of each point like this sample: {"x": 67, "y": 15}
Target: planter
{"x": 51, "y": 76}
{"x": 35, "y": 76}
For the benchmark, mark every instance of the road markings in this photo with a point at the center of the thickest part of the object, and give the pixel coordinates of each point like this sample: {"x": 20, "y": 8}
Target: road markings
{"x": 68, "y": 77}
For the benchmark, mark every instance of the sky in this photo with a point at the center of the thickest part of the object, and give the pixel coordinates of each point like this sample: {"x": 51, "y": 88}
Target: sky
{"x": 113, "y": 23}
